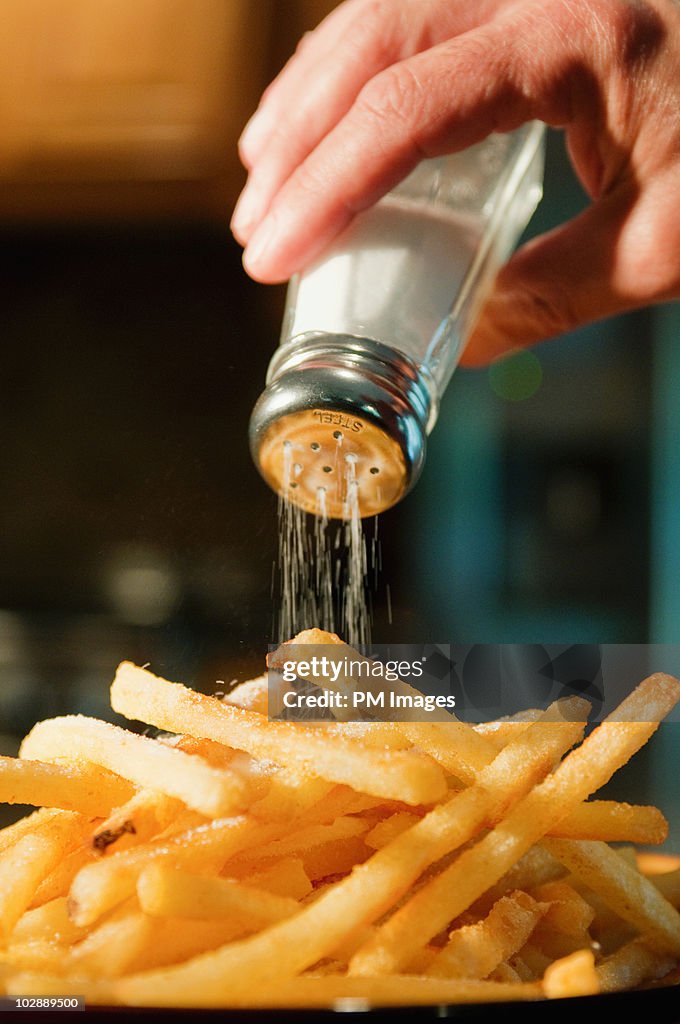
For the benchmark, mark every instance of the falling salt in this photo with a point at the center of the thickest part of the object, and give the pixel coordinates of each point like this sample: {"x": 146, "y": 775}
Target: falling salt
{"x": 355, "y": 621}
{"x": 321, "y": 574}
{"x": 322, "y": 561}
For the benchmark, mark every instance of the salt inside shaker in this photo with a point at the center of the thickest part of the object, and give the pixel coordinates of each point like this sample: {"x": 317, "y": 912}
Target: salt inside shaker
{"x": 373, "y": 330}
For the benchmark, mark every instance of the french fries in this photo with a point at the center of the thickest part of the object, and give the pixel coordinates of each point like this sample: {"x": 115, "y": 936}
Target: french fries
{"x": 399, "y": 775}
{"x": 243, "y": 863}
{"x": 476, "y": 950}
{"x": 28, "y": 860}
{"x": 73, "y": 787}
{"x": 164, "y": 892}
{"x": 140, "y": 759}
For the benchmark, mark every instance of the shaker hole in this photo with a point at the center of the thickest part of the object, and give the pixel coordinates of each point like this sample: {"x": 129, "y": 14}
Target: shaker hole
{"x": 337, "y": 434}
{"x": 315, "y": 446}
{"x": 374, "y": 470}
{"x": 327, "y": 469}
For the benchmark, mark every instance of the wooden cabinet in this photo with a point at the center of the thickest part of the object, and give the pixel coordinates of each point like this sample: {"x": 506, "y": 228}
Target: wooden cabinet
{"x": 126, "y": 106}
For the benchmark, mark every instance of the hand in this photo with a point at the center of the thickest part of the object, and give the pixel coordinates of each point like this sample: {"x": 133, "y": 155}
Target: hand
{"x": 380, "y": 86}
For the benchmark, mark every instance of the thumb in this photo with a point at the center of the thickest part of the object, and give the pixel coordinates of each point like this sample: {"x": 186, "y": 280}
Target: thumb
{"x": 556, "y": 283}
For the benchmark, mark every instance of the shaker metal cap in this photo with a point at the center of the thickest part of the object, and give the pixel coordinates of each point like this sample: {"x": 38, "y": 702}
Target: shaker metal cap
{"x": 341, "y": 425}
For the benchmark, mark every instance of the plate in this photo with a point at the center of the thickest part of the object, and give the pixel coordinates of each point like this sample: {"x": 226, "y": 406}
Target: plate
{"x": 659, "y": 1005}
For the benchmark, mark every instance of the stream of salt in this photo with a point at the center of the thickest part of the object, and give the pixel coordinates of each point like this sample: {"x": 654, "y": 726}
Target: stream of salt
{"x": 321, "y": 576}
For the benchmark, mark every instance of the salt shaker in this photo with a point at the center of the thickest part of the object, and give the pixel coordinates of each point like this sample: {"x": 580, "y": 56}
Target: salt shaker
{"x": 373, "y": 330}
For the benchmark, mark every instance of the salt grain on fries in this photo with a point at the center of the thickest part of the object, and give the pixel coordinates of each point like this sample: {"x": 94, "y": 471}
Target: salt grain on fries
{"x": 249, "y": 863}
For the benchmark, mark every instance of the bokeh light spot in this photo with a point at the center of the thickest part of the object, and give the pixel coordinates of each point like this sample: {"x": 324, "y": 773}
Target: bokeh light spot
{"x": 517, "y": 376}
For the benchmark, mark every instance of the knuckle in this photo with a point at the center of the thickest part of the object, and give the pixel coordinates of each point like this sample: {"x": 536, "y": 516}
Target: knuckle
{"x": 627, "y": 32}
{"x": 305, "y": 43}
{"x": 311, "y": 181}
{"x": 371, "y": 18}
{"x": 395, "y": 95}
{"x": 550, "y": 307}
{"x": 652, "y": 273}
{"x": 370, "y": 31}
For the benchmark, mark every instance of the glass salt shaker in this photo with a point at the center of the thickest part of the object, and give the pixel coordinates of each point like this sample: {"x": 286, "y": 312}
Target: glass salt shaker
{"x": 374, "y": 329}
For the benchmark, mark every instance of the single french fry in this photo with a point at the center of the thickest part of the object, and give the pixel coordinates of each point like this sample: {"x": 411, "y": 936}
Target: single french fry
{"x": 629, "y": 894}
{"x": 534, "y": 960}
{"x": 628, "y": 854}
{"x": 573, "y": 975}
{"x": 631, "y": 965}
{"x": 329, "y": 990}
{"x": 335, "y": 858}
{"x": 106, "y": 952}
{"x": 668, "y": 884}
{"x": 170, "y": 892}
{"x": 286, "y": 948}
{"x": 49, "y": 922}
{"x": 216, "y": 754}
{"x": 174, "y": 939}
{"x": 421, "y": 961}
{"x": 28, "y": 860}
{"x": 35, "y": 955}
{"x": 29, "y": 823}
{"x": 286, "y": 877}
{"x": 535, "y": 867}
{"x": 397, "y": 774}
{"x": 111, "y": 948}
{"x": 608, "y": 930}
{"x": 500, "y": 732}
{"x": 42, "y": 983}
{"x": 304, "y": 839}
{"x": 135, "y": 821}
{"x": 58, "y": 881}
{"x": 506, "y": 973}
{"x": 476, "y": 950}
{"x": 654, "y": 863}
{"x": 613, "y": 822}
{"x": 381, "y": 735}
{"x": 568, "y": 912}
{"x": 454, "y": 745}
{"x": 289, "y": 793}
{"x": 142, "y": 760}
{"x": 252, "y": 695}
{"x": 521, "y": 969}
{"x": 83, "y": 787}
{"x": 340, "y": 802}
{"x": 582, "y": 772}
{"x": 389, "y": 828}
{"x": 563, "y": 928}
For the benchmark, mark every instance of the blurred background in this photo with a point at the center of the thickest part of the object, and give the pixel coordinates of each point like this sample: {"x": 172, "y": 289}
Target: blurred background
{"x": 132, "y": 522}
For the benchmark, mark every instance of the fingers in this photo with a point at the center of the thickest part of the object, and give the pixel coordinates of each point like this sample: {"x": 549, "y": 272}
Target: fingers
{"x": 314, "y": 47}
{"x": 438, "y": 101}
{"x": 356, "y": 42}
{"x": 590, "y": 268}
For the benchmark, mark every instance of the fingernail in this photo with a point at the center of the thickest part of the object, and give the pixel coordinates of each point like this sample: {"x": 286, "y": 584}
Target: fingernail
{"x": 262, "y": 240}
{"x": 253, "y": 136}
{"x": 247, "y": 212}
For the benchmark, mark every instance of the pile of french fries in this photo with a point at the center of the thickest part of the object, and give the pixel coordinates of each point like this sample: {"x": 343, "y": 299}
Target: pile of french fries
{"x": 234, "y": 861}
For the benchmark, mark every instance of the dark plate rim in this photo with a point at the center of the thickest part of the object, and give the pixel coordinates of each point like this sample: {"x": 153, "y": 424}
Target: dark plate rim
{"x": 662, "y": 1001}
